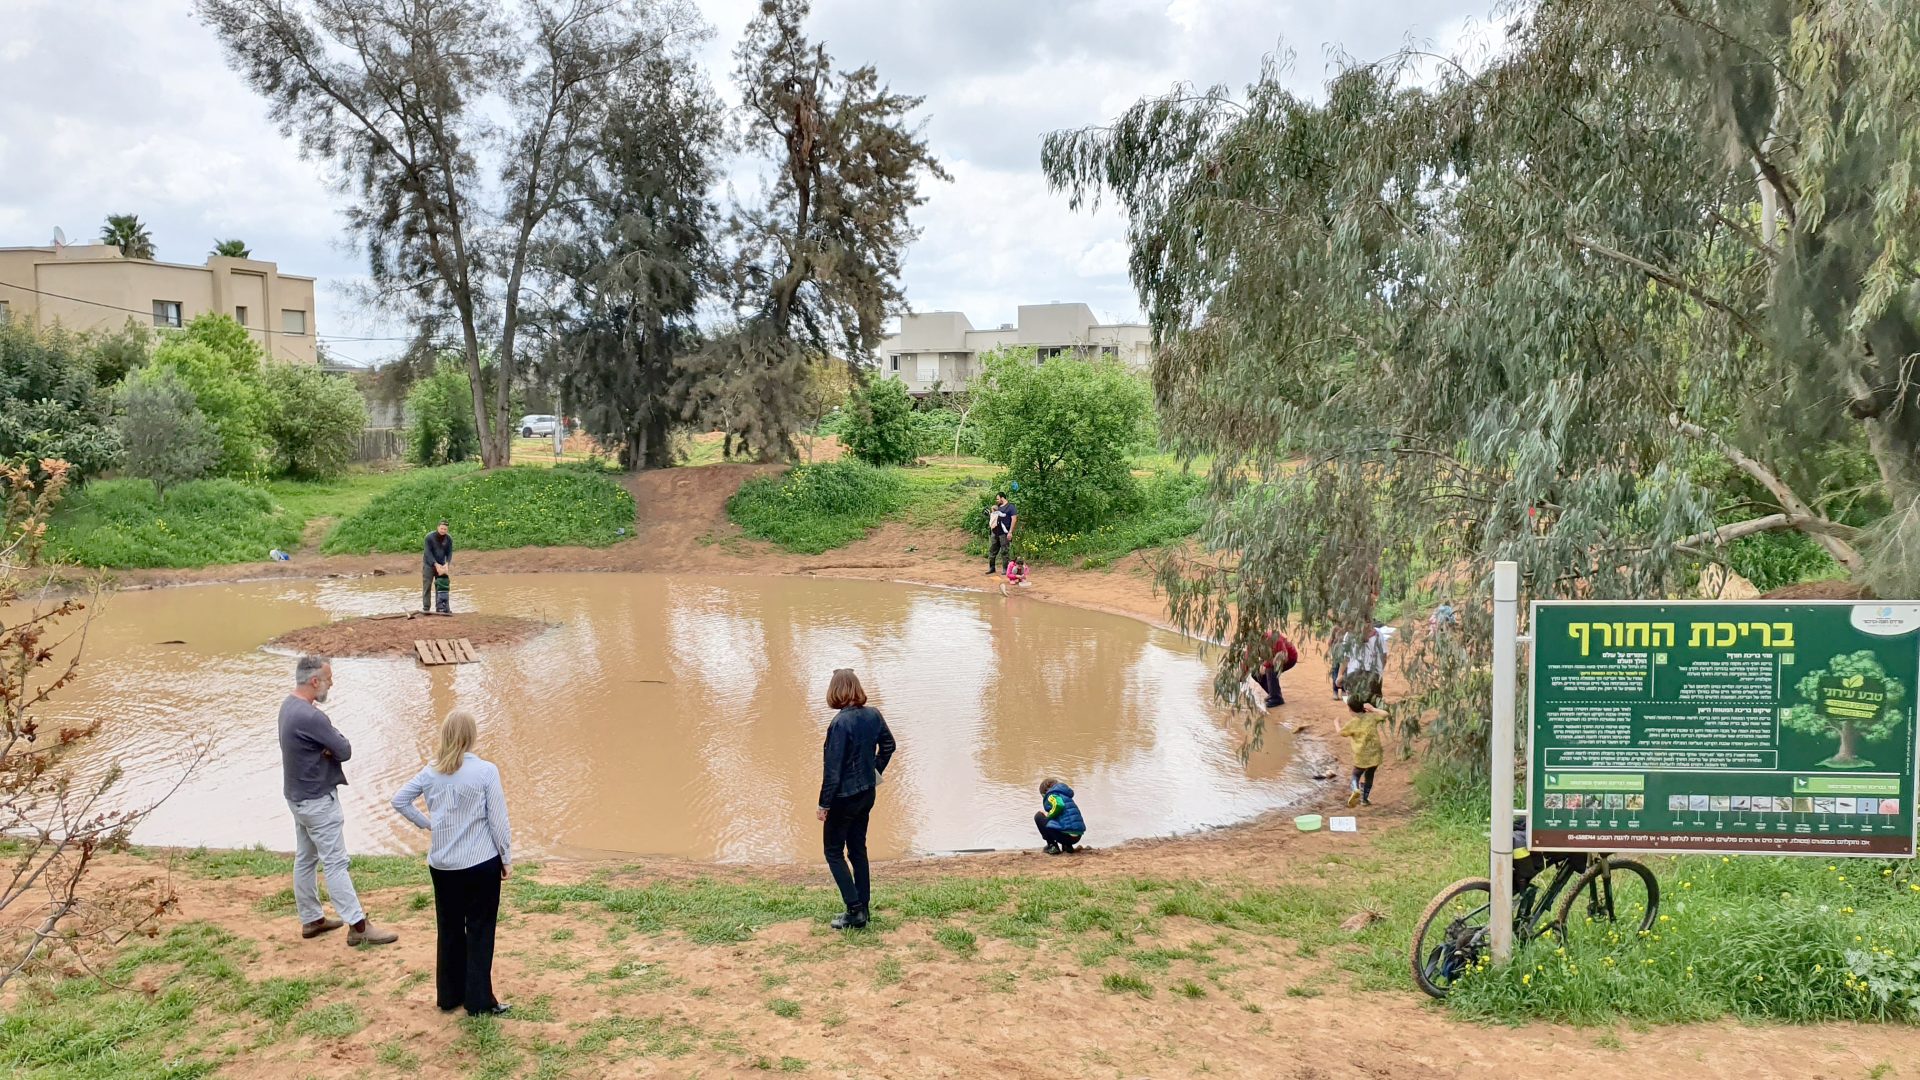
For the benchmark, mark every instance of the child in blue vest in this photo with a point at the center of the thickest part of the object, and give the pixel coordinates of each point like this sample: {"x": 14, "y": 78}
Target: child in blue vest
{"x": 1059, "y": 819}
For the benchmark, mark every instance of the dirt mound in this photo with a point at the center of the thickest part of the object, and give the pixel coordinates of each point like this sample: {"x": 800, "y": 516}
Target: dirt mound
{"x": 1821, "y": 590}
{"x": 394, "y": 635}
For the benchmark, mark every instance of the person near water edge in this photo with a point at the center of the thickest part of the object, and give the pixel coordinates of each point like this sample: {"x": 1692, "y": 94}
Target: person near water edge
{"x": 470, "y": 854}
{"x": 1000, "y": 524}
{"x": 1362, "y": 725}
{"x": 311, "y": 753}
{"x": 435, "y": 561}
{"x": 1271, "y": 658}
{"x": 1059, "y": 820}
{"x": 855, "y": 755}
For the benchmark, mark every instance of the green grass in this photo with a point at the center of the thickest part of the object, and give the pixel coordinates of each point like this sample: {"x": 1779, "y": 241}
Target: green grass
{"x": 524, "y": 506}
{"x": 120, "y": 524}
{"x": 1167, "y": 514}
{"x": 784, "y": 1007}
{"x": 815, "y": 508}
{"x": 1116, "y": 983}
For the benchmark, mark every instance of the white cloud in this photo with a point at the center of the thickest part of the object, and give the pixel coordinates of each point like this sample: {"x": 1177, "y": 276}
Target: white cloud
{"x": 157, "y": 124}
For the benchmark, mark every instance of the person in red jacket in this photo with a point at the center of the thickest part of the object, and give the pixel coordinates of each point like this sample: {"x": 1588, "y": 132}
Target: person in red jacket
{"x": 1275, "y": 655}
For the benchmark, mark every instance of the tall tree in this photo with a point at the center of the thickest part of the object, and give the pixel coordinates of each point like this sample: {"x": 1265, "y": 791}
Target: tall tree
{"x": 817, "y": 263}
{"x": 639, "y": 259}
{"x": 126, "y": 232}
{"x": 458, "y": 126}
{"x": 231, "y": 249}
{"x": 1541, "y": 310}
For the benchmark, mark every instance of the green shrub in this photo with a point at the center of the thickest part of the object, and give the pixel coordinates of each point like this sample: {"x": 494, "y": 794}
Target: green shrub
{"x": 814, "y": 508}
{"x": 315, "y": 421}
{"x": 167, "y": 438}
{"x": 216, "y": 358}
{"x": 1776, "y": 559}
{"x": 440, "y": 427}
{"x": 1066, "y": 430}
{"x": 51, "y": 406}
{"x": 123, "y": 523}
{"x": 526, "y": 506}
{"x": 879, "y": 428}
{"x": 934, "y": 430}
{"x": 1164, "y": 512}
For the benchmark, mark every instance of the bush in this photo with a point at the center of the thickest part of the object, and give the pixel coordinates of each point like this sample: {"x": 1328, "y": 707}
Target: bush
{"x": 122, "y": 523}
{"x": 1164, "y": 512}
{"x": 440, "y": 427}
{"x": 879, "y": 428}
{"x": 1776, "y": 559}
{"x": 1065, "y": 430}
{"x": 168, "y": 440}
{"x": 525, "y": 506}
{"x": 220, "y": 363}
{"x": 51, "y": 406}
{"x": 934, "y": 431}
{"x": 814, "y": 508}
{"x": 315, "y": 422}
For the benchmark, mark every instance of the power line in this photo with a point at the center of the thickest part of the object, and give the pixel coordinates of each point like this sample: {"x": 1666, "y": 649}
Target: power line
{"x": 134, "y": 311}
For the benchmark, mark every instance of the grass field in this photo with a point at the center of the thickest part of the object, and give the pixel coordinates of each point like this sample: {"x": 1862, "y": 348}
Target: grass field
{"x": 523, "y": 506}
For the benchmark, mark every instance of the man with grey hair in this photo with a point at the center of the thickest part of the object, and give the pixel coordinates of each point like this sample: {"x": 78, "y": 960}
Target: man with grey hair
{"x": 311, "y": 750}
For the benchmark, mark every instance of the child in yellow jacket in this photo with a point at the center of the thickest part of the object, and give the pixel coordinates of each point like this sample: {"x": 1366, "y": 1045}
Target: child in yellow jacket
{"x": 1362, "y": 725}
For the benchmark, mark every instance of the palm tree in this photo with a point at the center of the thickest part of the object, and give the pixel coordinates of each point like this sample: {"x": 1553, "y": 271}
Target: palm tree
{"x": 125, "y": 232}
{"x": 232, "y": 249}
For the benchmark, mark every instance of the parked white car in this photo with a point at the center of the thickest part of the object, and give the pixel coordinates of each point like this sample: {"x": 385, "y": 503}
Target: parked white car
{"x": 531, "y": 426}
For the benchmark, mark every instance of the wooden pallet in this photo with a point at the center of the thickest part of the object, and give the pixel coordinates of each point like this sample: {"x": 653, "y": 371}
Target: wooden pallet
{"x": 433, "y": 651}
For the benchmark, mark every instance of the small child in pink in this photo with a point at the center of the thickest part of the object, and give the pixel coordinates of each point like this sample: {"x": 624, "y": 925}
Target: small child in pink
{"x": 1016, "y": 572}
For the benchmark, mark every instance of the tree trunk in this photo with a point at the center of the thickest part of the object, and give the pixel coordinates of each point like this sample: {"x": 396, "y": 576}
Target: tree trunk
{"x": 1849, "y": 754}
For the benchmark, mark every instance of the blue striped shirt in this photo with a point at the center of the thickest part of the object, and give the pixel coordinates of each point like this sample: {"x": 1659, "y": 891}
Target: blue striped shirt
{"x": 466, "y": 812}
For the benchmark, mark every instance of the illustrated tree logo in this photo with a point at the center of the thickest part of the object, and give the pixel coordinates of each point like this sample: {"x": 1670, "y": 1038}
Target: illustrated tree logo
{"x": 1854, "y": 699}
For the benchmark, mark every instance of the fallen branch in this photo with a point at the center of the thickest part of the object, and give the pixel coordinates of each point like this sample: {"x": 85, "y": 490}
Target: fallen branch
{"x": 1830, "y": 535}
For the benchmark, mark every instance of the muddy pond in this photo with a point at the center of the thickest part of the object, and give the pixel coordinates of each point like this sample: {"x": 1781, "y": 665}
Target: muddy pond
{"x": 682, "y": 715}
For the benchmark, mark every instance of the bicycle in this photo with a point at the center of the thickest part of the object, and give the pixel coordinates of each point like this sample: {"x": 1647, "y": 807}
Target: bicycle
{"x": 1615, "y": 890}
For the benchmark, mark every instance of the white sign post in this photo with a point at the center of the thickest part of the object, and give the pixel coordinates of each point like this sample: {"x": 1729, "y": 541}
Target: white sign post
{"x": 1506, "y": 683}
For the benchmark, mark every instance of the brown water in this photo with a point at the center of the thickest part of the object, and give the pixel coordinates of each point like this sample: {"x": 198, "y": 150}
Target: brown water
{"x": 683, "y": 716}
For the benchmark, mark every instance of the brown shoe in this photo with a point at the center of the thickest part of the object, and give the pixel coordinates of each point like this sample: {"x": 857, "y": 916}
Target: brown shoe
{"x": 365, "y": 933}
{"x": 319, "y": 926}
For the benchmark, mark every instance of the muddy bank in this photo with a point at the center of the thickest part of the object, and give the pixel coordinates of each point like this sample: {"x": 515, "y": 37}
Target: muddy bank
{"x": 394, "y": 635}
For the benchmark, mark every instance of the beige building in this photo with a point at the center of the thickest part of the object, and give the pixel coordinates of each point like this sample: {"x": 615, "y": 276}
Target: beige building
{"x": 93, "y": 286}
{"x": 943, "y": 347}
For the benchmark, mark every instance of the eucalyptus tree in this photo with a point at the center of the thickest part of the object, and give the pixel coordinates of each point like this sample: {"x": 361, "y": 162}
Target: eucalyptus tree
{"x": 815, "y": 265}
{"x": 457, "y": 127}
{"x": 638, "y": 258}
{"x": 1534, "y": 308}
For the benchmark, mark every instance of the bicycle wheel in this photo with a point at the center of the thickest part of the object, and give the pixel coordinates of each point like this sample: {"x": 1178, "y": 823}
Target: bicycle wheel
{"x": 1451, "y": 936}
{"x": 1626, "y": 897}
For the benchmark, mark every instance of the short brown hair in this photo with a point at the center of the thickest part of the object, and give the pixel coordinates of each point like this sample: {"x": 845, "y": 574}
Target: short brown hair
{"x": 1050, "y": 783}
{"x": 844, "y": 689}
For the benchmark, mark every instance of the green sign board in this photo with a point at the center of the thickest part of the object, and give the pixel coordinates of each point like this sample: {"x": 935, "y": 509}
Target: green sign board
{"x": 1764, "y": 727}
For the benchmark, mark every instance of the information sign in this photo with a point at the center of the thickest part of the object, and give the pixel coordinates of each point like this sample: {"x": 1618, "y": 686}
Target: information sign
{"x": 1763, "y": 727}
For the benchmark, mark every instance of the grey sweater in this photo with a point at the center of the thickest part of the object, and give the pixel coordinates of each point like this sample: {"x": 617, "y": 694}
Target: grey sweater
{"x": 311, "y": 750}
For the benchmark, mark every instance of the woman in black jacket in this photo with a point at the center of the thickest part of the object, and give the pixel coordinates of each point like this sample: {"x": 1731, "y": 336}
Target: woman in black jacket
{"x": 857, "y": 751}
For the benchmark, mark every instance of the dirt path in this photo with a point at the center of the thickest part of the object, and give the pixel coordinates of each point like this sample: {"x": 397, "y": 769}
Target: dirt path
{"x": 907, "y": 1006}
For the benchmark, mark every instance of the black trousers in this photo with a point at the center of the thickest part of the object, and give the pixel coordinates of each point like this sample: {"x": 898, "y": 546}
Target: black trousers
{"x": 466, "y": 907}
{"x": 997, "y": 548}
{"x": 1051, "y": 835}
{"x": 1269, "y": 681}
{"x": 845, "y": 839}
{"x": 426, "y": 588}
{"x": 1363, "y": 781}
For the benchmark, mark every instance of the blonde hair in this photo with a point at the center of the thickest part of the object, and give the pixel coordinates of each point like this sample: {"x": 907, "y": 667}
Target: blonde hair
{"x": 844, "y": 690}
{"x": 457, "y": 735}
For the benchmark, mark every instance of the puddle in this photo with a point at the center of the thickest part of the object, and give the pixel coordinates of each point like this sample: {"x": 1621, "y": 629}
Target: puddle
{"x": 683, "y": 715}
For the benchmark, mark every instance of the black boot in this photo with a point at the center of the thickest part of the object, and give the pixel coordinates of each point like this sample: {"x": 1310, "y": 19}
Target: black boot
{"x": 851, "y": 919}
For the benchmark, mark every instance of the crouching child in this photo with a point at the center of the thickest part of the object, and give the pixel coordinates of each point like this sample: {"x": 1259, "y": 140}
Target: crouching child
{"x": 1059, "y": 821}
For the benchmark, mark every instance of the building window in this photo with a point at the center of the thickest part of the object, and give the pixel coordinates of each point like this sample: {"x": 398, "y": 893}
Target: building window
{"x": 166, "y": 313}
{"x": 293, "y": 322}
{"x": 1111, "y": 352}
{"x": 240, "y": 316}
{"x": 895, "y": 360}
{"x": 6, "y": 312}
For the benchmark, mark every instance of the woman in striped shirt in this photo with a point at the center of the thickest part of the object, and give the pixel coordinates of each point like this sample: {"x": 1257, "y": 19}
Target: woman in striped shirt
{"x": 471, "y": 853}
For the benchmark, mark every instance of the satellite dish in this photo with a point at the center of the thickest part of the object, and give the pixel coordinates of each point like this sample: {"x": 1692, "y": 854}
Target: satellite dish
{"x": 59, "y": 236}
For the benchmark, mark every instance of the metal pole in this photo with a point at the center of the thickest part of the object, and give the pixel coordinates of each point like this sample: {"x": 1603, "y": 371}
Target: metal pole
{"x": 1506, "y": 677}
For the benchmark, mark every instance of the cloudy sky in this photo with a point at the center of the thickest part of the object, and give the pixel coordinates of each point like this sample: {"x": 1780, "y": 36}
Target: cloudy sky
{"x": 152, "y": 121}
